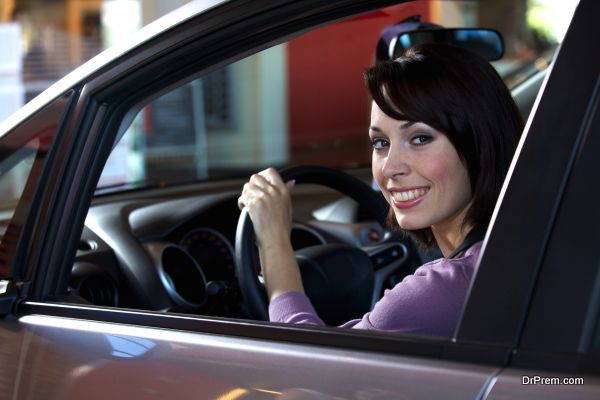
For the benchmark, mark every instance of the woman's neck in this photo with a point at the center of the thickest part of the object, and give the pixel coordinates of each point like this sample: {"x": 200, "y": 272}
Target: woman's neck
{"x": 451, "y": 233}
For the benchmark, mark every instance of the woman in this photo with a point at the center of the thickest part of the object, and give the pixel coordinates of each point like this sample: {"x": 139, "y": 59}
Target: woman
{"x": 444, "y": 128}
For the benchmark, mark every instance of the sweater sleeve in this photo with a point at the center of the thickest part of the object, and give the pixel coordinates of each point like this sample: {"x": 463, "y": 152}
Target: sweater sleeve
{"x": 293, "y": 308}
{"x": 428, "y": 302}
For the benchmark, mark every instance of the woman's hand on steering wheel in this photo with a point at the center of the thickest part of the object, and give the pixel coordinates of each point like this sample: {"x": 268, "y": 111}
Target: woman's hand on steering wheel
{"x": 268, "y": 201}
{"x": 269, "y": 204}
{"x": 334, "y": 273}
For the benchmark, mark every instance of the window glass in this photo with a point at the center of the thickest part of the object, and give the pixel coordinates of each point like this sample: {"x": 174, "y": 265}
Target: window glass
{"x": 22, "y": 155}
{"x": 13, "y": 176}
{"x": 14, "y": 171}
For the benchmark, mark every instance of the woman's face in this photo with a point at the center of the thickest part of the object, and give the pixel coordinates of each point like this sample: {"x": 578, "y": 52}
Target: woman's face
{"x": 419, "y": 173}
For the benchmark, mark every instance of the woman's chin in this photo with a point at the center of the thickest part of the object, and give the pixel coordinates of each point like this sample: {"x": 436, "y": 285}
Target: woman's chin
{"x": 410, "y": 225}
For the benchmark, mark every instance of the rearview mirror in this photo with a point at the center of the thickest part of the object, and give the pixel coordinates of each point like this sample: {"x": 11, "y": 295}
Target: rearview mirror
{"x": 487, "y": 43}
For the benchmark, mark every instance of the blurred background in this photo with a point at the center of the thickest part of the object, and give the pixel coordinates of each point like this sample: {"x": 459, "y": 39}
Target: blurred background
{"x": 42, "y": 40}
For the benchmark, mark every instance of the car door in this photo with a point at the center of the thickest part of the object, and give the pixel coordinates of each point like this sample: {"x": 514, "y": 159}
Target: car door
{"x": 71, "y": 351}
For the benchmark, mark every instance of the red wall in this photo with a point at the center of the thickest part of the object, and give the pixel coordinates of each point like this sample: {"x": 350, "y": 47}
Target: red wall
{"x": 327, "y": 97}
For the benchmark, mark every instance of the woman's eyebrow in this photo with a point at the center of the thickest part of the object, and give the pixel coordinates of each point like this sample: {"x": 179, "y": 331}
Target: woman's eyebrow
{"x": 403, "y": 125}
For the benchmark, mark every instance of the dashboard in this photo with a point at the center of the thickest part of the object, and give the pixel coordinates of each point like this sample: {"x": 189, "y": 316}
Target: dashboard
{"x": 178, "y": 254}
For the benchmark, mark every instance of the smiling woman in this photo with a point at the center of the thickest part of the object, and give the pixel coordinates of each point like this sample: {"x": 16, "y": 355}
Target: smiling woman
{"x": 460, "y": 123}
{"x": 444, "y": 128}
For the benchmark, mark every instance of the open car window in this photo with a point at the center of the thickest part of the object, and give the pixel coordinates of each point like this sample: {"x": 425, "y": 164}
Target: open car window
{"x": 299, "y": 102}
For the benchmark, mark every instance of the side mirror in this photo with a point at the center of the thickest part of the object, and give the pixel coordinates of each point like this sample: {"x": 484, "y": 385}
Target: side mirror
{"x": 487, "y": 43}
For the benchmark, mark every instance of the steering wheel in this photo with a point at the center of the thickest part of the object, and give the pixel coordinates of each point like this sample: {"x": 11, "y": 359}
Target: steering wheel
{"x": 342, "y": 281}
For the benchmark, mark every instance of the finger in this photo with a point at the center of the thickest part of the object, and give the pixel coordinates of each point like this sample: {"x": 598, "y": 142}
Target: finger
{"x": 260, "y": 181}
{"x": 242, "y": 200}
{"x": 246, "y": 189}
{"x": 247, "y": 192}
{"x": 272, "y": 176}
{"x": 290, "y": 184}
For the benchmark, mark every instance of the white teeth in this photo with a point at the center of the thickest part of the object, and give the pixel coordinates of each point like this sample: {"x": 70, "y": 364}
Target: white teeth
{"x": 408, "y": 194}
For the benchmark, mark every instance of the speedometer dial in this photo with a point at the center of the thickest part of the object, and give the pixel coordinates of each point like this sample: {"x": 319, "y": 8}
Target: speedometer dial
{"x": 212, "y": 251}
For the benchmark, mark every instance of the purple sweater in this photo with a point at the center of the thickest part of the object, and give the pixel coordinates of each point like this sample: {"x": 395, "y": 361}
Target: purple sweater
{"x": 428, "y": 302}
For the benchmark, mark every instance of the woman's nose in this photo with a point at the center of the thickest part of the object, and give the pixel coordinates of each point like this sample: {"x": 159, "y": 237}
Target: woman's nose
{"x": 396, "y": 163}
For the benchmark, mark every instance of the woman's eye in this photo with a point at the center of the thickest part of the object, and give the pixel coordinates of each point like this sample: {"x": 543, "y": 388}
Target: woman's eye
{"x": 420, "y": 140}
{"x": 379, "y": 144}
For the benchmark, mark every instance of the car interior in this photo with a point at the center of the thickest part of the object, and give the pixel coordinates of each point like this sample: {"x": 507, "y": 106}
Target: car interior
{"x": 164, "y": 231}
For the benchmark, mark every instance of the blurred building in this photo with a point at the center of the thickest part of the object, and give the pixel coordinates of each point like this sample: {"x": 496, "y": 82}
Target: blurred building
{"x": 11, "y": 86}
{"x": 59, "y": 35}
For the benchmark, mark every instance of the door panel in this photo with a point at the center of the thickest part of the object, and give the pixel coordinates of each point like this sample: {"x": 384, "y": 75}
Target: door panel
{"x": 70, "y": 359}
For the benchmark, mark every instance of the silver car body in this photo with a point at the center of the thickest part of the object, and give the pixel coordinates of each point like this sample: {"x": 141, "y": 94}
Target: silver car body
{"x": 52, "y": 350}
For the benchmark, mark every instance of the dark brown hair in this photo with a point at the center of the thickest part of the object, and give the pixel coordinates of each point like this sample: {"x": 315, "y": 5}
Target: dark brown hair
{"x": 461, "y": 95}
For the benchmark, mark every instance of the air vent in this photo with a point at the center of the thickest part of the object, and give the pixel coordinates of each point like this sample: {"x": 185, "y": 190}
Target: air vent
{"x": 98, "y": 290}
{"x": 90, "y": 282}
{"x": 87, "y": 245}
